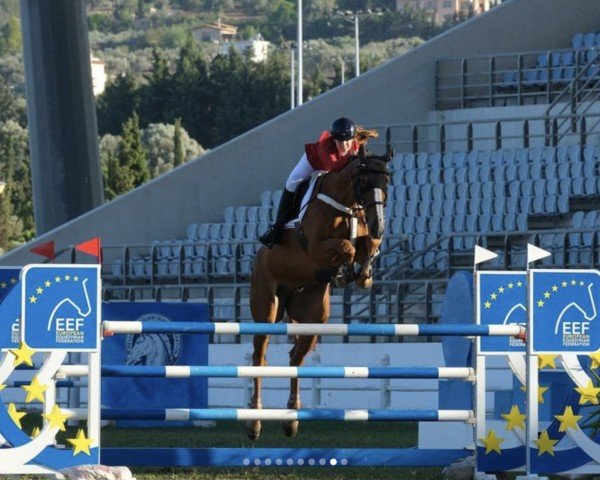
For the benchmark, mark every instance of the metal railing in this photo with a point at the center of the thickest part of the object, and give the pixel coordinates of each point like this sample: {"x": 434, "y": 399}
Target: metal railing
{"x": 507, "y": 79}
{"x": 496, "y": 134}
{"x": 578, "y": 98}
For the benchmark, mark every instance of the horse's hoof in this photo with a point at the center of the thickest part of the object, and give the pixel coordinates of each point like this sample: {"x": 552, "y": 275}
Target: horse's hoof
{"x": 253, "y": 430}
{"x": 290, "y": 428}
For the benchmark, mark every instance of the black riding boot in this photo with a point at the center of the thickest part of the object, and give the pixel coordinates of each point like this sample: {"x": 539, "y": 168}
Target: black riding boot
{"x": 284, "y": 213}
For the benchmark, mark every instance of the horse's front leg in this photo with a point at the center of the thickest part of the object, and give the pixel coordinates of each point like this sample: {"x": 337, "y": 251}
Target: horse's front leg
{"x": 330, "y": 255}
{"x": 302, "y": 346}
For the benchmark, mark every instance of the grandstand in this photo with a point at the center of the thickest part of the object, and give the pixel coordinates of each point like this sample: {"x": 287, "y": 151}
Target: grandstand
{"x": 496, "y": 129}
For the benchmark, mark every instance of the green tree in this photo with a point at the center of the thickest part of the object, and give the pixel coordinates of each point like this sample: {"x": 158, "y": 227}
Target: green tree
{"x": 12, "y": 227}
{"x": 155, "y": 104}
{"x": 9, "y": 107}
{"x": 192, "y": 97}
{"x": 10, "y": 37}
{"x": 177, "y": 144}
{"x": 132, "y": 156}
{"x": 118, "y": 102}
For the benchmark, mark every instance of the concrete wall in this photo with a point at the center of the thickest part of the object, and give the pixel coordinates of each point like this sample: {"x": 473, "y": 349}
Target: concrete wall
{"x": 401, "y": 90}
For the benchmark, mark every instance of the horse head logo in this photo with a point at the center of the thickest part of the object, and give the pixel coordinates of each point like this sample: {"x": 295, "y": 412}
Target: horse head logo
{"x": 573, "y": 300}
{"x": 73, "y": 304}
{"x": 151, "y": 348}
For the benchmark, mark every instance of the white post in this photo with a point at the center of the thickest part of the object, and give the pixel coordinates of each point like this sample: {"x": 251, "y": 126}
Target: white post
{"x": 357, "y": 59}
{"x": 299, "y": 101}
{"x": 343, "y": 70}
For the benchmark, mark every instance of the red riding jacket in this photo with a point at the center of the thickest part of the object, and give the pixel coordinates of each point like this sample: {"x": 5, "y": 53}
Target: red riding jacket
{"x": 323, "y": 155}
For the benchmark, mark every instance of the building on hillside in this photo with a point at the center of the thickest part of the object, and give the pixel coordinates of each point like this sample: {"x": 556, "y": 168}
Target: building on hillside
{"x": 98, "y": 75}
{"x": 215, "y": 32}
{"x": 257, "y": 47}
{"x": 447, "y": 9}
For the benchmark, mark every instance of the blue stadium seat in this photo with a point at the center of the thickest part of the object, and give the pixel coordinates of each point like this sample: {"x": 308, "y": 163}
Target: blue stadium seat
{"x": 499, "y": 189}
{"x": 535, "y": 171}
{"x": 474, "y": 206}
{"x": 564, "y": 186}
{"x": 447, "y": 160}
{"x": 422, "y": 161}
{"x": 523, "y": 172}
{"x": 413, "y": 192}
{"x": 499, "y": 205}
{"x": 485, "y": 222}
{"x": 527, "y": 188}
{"x": 397, "y": 162}
{"x": 450, "y": 191}
{"x": 484, "y": 158}
{"x": 422, "y": 176}
{"x": 510, "y": 174}
{"x": 535, "y": 154}
{"x": 522, "y": 222}
{"x": 397, "y": 226}
{"x": 475, "y": 190}
{"x": 425, "y": 192}
{"x": 409, "y": 161}
{"x": 577, "y": 41}
{"x": 399, "y": 209}
{"x": 537, "y": 204}
{"x": 462, "y": 190}
{"x": 460, "y": 174}
{"x": 550, "y": 171}
{"x": 487, "y": 189}
{"x": 577, "y": 187}
{"x": 510, "y": 222}
{"x": 471, "y": 223}
{"x": 512, "y": 204}
{"x": 472, "y": 159}
{"x": 408, "y": 225}
{"x": 437, "y": 191}
{"x": 498, "y": 222}
{"x": 435, "y": 175}
{"x": 400, "y": 192}
{"x": 266, "y": 198}
{"x": 577, "y": 219}
{"x": 525, "y": 204}
{"x": 424, "y": 208}
{"x": 522, "y": 156}
{"x": 514, "y": 188}
{"x": 591, "y": 153}
{"x": 398, "y": 177}
{"x": 434, "y": 161}
{"x": 499, "y": 173}
{"x": 552, "y": 186}
{"x": 485, "y": 173}
{"x": 562, "y": 203}
{"x": 590, "y": 186}
{"x": 412, "y": 207}
{"x": 576, "y": 169}
{"x": 562, "y": 154}
{"x": 446, "y": 224}
{"x": 539, "y": 187}
{"x": 472, "y": 174}
{"x": 589, "y": 40}
{"x": 574, "y": 153}
{"x": 448, "y": 174}
{"x": 450, "y": 207}
{"x": 434, "y": 223}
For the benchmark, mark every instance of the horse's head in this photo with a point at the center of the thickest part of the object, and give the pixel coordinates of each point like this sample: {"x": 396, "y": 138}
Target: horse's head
{"x": 371, "y": 177}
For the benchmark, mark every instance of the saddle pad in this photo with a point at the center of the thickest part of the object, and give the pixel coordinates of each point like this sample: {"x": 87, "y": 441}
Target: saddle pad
{"x": 306, "y": 198}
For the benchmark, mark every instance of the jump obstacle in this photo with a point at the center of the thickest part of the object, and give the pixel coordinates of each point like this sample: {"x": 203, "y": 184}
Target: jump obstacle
{"x": 493, "y": 337}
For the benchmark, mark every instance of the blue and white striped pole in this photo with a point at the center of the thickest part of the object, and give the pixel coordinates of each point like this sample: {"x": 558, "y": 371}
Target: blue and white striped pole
{"x": 182, "y": 371}
{"x": 135, "y": 327}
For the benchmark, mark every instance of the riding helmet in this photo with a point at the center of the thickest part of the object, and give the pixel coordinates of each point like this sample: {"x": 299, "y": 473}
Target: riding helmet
{"x": 343, "y": 129}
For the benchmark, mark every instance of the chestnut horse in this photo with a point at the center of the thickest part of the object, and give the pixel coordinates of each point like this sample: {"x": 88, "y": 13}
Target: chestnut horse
{"x": 294, "y": 277}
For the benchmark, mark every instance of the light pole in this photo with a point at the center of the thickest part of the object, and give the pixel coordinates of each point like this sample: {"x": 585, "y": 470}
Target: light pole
{"x": 292, "y": 86}
{"x": 299, "y": 43}
{"x": 353, "y": 17}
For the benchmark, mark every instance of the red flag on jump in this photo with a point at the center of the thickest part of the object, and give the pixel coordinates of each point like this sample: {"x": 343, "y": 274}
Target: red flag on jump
{"x": 45, "y": 250}
{"x": 91, "y": 247}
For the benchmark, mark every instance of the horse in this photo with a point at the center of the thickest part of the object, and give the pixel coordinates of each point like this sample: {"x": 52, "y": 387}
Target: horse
{"x": 342, "y": 228}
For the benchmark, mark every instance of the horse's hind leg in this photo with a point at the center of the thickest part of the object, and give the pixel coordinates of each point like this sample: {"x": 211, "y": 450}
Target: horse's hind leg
{"x": 312, "y": 306}
{"x": 302, "y": 346}
{"x": 264, "y": 307}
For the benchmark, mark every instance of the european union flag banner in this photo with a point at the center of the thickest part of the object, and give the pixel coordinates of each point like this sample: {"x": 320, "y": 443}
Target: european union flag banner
{"x": 501, "y": 300}
{"x": 60, "y": 306}
{"x": 9, "y": 278}
{"x": 563, "y": 311}
{"x": 155, "y": 349}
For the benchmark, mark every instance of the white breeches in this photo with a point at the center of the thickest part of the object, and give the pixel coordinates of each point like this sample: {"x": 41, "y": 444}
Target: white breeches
{"x": 301, "y": 172}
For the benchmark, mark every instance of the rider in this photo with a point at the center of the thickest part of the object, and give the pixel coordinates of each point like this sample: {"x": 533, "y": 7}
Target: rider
{"x": 331, "y": 152}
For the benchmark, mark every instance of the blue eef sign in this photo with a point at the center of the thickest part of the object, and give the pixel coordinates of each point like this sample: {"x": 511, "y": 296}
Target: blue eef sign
{"x": 563, "y": 311}
{"x": 501, "y": 300}
{"x": 60, "y": 305}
